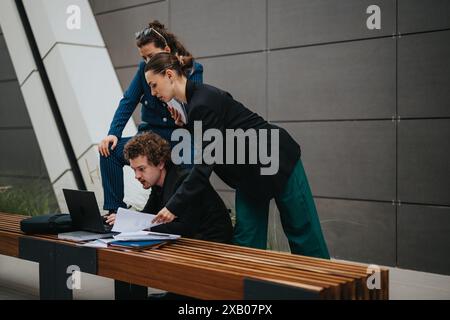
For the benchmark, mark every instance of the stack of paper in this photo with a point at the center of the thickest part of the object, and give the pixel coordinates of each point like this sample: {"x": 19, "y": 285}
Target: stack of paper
{"x": 131, "y": 225}
{"x": 145, "y": 235}
{"x": 138, "y": 245}
{"x": 83, "y": 236}
{"x": 99, "y": 243}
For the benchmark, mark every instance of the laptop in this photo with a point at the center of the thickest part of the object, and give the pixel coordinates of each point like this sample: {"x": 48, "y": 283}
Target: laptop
{"x": 84, "y": 211}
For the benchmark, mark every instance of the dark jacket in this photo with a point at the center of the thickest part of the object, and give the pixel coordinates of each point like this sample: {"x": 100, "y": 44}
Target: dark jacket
{"x": 217, "y": 109}
{"x": 206, "y": 219}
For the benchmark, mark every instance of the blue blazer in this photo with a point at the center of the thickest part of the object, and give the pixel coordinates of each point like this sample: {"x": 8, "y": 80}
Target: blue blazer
{"x": 154, "y": 113}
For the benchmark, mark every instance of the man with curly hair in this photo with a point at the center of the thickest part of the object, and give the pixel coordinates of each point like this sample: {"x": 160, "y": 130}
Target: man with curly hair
{"x": 206, "y": 219}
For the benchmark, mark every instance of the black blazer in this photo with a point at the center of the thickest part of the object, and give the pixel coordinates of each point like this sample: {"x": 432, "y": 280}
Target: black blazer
{"x": 207, "y": 219}
{"x": 217, "y": 109}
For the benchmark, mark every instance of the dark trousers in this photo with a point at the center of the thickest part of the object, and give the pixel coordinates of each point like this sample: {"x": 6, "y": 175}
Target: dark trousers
{"x": 111, "y": 169}
{"x": 298, "y": 217}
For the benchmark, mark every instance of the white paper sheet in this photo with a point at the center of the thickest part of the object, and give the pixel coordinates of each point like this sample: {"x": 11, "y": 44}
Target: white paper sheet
{"x": 177, "y": 106}
{"x": 80, "y": 236}
{"x": 145, "y": 235}
{"x": 131, "y": 221}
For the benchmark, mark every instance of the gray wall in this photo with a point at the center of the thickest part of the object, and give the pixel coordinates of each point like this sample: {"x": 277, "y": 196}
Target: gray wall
{"x": 370, "y": 108}
{"x": 21, "y": 162}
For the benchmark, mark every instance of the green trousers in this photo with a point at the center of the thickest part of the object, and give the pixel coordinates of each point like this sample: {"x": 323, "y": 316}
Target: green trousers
{"x": 298, "y": 217}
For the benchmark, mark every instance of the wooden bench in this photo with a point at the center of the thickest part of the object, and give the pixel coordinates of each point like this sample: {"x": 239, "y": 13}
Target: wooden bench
{"x": 195, "y": 268}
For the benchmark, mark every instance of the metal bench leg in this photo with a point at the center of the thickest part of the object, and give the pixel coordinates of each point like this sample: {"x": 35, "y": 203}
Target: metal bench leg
{"x": 265, "y": 290}
{"x": 56, "y": 264}
{"x": 129, "y": 291}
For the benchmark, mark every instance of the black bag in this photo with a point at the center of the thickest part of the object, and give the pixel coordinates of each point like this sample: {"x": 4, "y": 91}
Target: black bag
{"x": 48, "y": 223}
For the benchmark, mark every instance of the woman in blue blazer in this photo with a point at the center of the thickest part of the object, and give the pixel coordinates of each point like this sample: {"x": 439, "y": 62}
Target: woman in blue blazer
{"x": 154, "y": 114}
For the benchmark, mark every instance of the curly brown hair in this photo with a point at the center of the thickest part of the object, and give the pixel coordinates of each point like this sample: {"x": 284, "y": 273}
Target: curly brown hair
{"x": 148, "y": 144}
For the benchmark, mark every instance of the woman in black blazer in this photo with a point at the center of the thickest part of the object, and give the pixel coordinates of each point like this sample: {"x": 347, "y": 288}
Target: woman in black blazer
{"x": 255, "y": 182}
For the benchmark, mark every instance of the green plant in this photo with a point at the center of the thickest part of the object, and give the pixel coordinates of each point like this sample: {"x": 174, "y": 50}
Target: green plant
{"x": 32, "y": 199}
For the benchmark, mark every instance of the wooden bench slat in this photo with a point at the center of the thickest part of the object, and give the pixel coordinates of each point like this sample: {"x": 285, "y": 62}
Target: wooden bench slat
{"x": 209, "y": 270}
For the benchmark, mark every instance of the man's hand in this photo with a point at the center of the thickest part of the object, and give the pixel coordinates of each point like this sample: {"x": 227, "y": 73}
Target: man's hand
{"x": 164, "y": 216}
{"x": 111, "y": 218}
{"x": 176, "y": 116}
{"x": 103, "y": 147}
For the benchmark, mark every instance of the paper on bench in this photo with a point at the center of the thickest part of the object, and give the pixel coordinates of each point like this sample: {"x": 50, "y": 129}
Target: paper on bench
{"x": 99, "y": 243}
{"x": 131, "y": 221}
{"x": 145, "y": 235}
{"x": 83, "y": 236}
